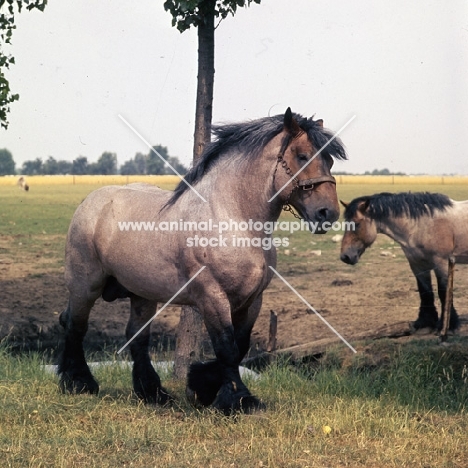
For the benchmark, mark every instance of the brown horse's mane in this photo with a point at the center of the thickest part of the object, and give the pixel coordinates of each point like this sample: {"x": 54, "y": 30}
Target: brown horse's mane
{"x": 406, "y": 204}
{"x": 250, "y": 138}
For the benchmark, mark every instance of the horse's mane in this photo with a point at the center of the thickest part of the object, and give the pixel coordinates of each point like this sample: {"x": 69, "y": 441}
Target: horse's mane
{"x": 412, "y": 205}
{"x": 251, "y": 137}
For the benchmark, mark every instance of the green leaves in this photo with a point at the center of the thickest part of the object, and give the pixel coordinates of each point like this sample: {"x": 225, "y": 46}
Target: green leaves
{"x": 7, "y": 25}
{"x": 187, "y": 13}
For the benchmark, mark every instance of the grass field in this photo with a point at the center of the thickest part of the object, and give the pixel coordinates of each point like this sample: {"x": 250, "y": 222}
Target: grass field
{"x": 407, "y": 409}
{"x": 390, "y": 405}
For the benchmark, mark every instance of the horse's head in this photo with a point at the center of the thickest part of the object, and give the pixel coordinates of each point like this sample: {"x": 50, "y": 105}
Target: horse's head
{"x": 303, "y": 179}
{"x": 360, "y": 232}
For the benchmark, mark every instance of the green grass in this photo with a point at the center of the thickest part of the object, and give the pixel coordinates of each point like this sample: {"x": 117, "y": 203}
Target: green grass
{"x": 44, "y": 209}
{"x": 347, "y": 192}
{"x": 407, "y": 408}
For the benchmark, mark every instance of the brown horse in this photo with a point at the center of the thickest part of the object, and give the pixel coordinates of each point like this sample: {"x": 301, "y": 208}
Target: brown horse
{"x": 238, "y": 174}
{"x": 429, "y": 227}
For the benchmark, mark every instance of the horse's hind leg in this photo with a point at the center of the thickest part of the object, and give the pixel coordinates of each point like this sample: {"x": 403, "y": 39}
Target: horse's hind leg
{"x": 75, "y": 376}
{"x": 85, "y": 281}
{"x": 146, "y": 382}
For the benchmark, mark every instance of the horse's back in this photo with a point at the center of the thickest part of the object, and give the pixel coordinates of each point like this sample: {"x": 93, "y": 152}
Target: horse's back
{"x": 124, "y": 194}
{"x": 104, "y": 207}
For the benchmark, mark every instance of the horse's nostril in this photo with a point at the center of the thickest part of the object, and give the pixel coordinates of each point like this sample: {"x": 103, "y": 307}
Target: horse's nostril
{"x": 322, "y": 214}
{"x": 350, "y": 259}
{"x": 345, "y": 258}
{"x": 326, "y": 214}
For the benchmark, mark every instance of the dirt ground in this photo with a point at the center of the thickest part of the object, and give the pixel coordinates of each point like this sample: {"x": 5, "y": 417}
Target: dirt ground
{"x": 379, "y": 291}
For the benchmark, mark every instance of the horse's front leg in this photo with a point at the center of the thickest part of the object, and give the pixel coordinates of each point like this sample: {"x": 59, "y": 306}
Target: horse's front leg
{"x": 427, "y": 316}
{"x": 243, "y": 321}
{"x": 441, "y": 272}
{"x": 146, "y": 381}
{"x": 218, "y": 382}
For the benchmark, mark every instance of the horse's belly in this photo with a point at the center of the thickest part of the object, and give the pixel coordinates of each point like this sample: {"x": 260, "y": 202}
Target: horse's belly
{"x": 145, "y": 271}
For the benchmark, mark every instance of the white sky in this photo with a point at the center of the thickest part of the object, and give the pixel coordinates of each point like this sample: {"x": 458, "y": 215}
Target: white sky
{"x": 400, "y": 66}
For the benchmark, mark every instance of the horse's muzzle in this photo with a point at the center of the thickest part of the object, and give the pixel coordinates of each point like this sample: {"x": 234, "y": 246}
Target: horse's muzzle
{"x": 350, "y": 259}
{"x": 324, "y": 218}
{"x": 327, "y": 214}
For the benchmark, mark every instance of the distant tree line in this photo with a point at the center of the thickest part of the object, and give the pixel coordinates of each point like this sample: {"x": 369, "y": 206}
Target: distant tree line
{"x": 150, "y": 163}
{"x": 383, "y": 172}
{"x": 374, "y": 172}
{"x": 7, "y": 164}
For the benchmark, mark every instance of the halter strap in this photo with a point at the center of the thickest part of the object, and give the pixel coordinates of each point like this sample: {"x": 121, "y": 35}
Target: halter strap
{"x": 309, "y": 184}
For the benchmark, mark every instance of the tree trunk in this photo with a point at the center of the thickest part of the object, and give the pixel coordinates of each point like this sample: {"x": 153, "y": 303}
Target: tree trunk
{"x": 205, "y": 83}
{"x": 190, "y": 329}
{"x": 189, "y": 341}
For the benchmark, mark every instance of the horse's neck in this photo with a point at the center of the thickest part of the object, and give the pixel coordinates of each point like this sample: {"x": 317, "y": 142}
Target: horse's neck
{"x": 241, "y": 190}
{"x": 398, "y": 229}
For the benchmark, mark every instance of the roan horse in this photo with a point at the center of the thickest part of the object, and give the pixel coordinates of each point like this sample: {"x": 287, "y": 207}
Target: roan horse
{"x": 237, "y": 175}
{"x": 429, "y": 227}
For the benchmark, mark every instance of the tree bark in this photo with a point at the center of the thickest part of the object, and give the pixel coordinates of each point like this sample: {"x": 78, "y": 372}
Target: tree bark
{"x": 190, "y": 330}
{"x": 205, "y": 83}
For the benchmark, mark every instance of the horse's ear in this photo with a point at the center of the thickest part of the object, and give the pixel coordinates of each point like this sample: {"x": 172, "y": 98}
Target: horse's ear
{"x": 362, "y": 207}
{"x": 290, "y": 124}
{"x": 344, "y": 204}
{"x": 319, "y": 122}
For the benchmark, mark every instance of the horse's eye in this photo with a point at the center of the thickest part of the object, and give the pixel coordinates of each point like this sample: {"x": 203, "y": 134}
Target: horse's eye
{"x": 302, "y": 157}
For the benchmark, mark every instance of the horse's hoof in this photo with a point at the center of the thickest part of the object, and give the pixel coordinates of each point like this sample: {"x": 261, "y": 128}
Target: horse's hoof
{"x": 192, "y": 398}
{"x": 78, "y": 386}
{"x": 250, "y": 404}
{"x": 246, "y": 404}
{"x": 424, "y": 331}
{"x": 420, "y": 330}
{"x": 158, "y": 397}
{"x": 164, "y": 398}
{"x": 203, "y": 382}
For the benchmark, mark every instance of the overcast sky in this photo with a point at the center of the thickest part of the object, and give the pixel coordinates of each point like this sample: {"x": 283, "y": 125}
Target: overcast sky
{"x": 401, "y": 67}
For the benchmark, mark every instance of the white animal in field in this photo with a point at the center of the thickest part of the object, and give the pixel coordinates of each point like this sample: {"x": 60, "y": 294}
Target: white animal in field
{"x": 22, "y": 184}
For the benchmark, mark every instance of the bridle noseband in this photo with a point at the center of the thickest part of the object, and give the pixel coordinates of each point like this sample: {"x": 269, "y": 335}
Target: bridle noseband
{"x": 306, "y": 184}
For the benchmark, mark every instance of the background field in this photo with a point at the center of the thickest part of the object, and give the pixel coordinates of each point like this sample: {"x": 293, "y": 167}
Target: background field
{"x": 380, "y": 290}
{"x": 400, "y": 402}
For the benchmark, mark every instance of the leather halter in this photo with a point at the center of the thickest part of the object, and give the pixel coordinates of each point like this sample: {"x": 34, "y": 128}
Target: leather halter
{"x": 306, "y": 184}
